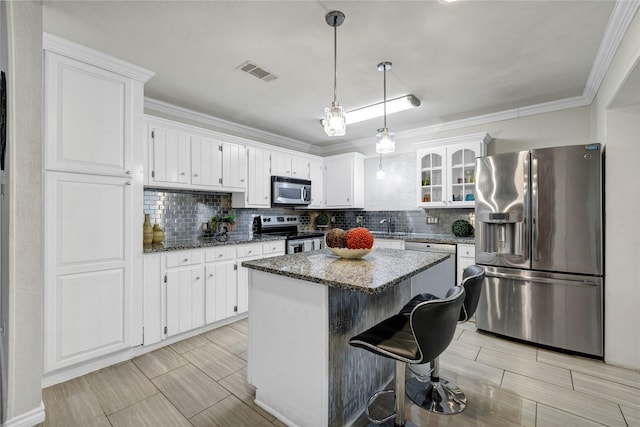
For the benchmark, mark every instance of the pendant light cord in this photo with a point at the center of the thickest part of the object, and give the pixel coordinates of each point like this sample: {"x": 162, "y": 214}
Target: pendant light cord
{"x": 335, "y": 57}
{"x": 384, "y": 97}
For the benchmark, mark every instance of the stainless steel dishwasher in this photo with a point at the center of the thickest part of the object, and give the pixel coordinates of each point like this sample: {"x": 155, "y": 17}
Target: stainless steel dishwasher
{"x": 439, "y": 278}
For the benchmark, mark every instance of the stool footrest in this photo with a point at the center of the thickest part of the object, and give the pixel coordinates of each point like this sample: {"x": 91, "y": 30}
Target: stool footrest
{"x": 373, "y": 399}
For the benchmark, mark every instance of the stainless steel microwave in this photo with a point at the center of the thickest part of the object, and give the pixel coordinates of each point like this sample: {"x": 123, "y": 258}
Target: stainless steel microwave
{"x": 287, "y": 191}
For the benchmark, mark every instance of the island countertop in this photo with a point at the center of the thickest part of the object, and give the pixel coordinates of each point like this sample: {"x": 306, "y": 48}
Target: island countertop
{"x": 372, "y": 274}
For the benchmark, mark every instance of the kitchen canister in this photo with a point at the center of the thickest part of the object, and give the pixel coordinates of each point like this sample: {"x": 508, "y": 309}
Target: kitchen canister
{"x": 147, "y": 231}
{"x": 158, "y": 234}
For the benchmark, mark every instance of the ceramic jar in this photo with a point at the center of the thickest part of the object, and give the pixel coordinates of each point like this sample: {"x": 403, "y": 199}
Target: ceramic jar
{"x": 147, "y": 231}
{"x": 158, "y": 234}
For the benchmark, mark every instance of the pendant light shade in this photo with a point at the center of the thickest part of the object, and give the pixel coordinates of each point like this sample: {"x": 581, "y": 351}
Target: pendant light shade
{"x": 385, "y": 143}
{"x": 335, "y": 123}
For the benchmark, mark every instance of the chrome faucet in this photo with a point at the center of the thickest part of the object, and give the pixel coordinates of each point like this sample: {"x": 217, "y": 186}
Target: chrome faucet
{"x": 388, "y": 222}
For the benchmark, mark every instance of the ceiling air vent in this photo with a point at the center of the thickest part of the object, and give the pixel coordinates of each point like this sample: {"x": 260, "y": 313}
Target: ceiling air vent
{"x": 255, "y": 70}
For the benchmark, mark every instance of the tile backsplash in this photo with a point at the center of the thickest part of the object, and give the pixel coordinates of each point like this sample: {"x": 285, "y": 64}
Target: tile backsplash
{"x": 181, "y": 214}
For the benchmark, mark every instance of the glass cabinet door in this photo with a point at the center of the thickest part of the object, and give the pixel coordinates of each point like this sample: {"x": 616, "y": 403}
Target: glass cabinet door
{"x": 431, "y": 178}
{"x": 462, "y": 168}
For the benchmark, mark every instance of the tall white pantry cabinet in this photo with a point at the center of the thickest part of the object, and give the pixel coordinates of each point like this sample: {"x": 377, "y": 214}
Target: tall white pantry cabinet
{"x": 93, "y": 204}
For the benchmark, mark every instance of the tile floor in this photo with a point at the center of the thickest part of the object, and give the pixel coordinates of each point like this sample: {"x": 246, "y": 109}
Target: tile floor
{"x": 201, "y": 381}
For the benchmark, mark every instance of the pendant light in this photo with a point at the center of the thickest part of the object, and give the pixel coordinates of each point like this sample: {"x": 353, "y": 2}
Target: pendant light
{"x": 385, "y": 143}
{"x": 335, "y": 123}
{"x": 380, "y": 173}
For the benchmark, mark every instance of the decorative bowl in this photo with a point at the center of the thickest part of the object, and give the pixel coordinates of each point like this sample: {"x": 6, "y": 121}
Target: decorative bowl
{"x": 351, "y": 253}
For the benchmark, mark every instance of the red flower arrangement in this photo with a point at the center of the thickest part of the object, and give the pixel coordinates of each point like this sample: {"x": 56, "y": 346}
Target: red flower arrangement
{"x": 359, "y": 238}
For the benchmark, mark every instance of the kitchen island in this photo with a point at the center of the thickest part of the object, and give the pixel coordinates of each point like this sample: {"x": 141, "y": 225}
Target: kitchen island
{"x": 303, "y": 310}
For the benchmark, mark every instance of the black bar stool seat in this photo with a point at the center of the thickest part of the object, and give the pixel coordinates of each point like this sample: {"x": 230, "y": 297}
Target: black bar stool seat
{"x": 418, "y": 337}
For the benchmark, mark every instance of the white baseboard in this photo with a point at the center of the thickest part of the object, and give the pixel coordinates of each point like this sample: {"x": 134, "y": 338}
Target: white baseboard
{"x": 28, "y": 419}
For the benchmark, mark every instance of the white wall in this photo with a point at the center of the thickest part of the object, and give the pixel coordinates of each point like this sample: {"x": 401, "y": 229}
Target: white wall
{"x": 620, "y": 130}
{"x": 25, "y": 257}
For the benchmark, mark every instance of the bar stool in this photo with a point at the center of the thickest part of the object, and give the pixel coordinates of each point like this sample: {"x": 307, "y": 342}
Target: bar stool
{"x": 417, "y": 338}
{"x": 437, "y": 394}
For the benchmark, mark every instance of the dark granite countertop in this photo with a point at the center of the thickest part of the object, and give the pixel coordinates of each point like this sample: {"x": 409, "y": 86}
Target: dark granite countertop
{"x": 425, "y": 237}
{"x": 206, "y": 242}
{"x": 372, "y": 274}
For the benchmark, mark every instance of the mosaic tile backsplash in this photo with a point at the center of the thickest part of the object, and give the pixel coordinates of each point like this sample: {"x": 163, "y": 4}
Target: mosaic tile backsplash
{"x": 181, "y": 214}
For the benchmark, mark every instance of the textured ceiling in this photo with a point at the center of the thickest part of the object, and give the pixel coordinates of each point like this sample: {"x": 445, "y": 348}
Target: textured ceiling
{"x": 461, "y": 60}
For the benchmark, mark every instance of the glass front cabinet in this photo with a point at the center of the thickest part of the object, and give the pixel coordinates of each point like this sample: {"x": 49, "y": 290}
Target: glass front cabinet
{"x": 446, "y": 170}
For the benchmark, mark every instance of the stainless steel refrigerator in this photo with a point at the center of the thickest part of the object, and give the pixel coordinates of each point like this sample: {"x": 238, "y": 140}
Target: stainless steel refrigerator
{"x": 539, "y": 235}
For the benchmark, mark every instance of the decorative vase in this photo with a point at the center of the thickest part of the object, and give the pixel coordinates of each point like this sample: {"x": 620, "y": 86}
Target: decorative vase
{"x": 147, "y": 231}
{"x": 158, "y": 234}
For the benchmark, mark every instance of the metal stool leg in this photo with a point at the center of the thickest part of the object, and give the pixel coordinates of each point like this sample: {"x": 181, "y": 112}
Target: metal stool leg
{"x": 399, "y": 419}
{"x": 437, "y": 395}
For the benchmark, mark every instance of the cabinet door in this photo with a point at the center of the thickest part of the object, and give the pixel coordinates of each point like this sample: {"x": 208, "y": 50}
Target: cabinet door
{"x": 220, "y": 294}
{"x": 338, "y": 179}
{"x": 259, "y": 178}
{"x": 432, "y": 177}
{"x": 170, "y": 157}
{"x": 185, "y": 299}
{"x": 91, "y": 307}
{"x": 316, "y": 169}
{"x": 234, "y": 166}
{"x": 300, "y": 168}
{"x": 280, "y": 164}
{"x": 206, "y": 162}
{"x": 461, "y": 161}
{"x": 466, "y": 257}
{"x": 87, "y": 110}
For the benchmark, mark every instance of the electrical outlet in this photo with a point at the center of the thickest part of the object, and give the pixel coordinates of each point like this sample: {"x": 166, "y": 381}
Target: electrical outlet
{"x": 358, "y": 219}
{"x": 432, "y": 220}
{"x": 333, "y": 219}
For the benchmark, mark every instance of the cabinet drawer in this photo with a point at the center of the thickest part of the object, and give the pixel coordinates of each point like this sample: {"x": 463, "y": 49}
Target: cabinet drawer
{"x": 273, "y": 247}
{"x": 244, "y": 251}
{"x": 467, "y": 251}
{"x": 221, "y": 253}
{"x": 184, "y": 258}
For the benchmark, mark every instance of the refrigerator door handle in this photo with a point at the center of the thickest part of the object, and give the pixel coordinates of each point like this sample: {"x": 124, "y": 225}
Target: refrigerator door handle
{"x": 535, "y": 244}
{"x": 540, "y": 279}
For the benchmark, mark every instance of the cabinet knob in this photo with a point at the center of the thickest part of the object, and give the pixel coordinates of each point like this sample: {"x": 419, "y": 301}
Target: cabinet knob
{"x": 128, "y": 172}
{"x": 182, "y": 173}
{"x": 185, "y": 260}
{"x": 127, "y": 183}
{"x": 198, "y": 278}
{"x": 211, "y": 275}
{"x": 242, "y": 180}
{"x": 195, "y": 174}
{"x": 249, "y": 252}
{"x": 265, "y": 197}
{"x": 219, "y": 255}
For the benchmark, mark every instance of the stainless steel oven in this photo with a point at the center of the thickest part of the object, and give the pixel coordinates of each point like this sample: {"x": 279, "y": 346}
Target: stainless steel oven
{"x": 287, "y": 226}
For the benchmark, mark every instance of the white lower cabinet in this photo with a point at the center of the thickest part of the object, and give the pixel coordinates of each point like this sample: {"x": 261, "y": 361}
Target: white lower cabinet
{"x": 185, "y": 290}
{"x": 466, "y": 257}
{"x": 185, "y": 299}
{"x": 90, "y": 301}
{"x": 220, "y": 291}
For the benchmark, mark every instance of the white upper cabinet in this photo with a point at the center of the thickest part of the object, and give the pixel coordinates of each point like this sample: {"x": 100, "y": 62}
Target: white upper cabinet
{"x": 316, "y": 175}
{"x": 234, "y": 166}
{"x": 446, "y": 170}
{"x": 170, "y": 156}
{"x": 206, "y": 162}
{"x": 258, "y": 194}
{"x": 283, "y": 164}
{"x": 183, "y": 157}
{"x": 344, "y": 181}
{"x": 90, "y": 112}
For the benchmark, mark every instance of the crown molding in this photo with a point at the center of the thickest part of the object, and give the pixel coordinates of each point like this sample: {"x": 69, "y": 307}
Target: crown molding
{"x": 73, "y": 50}
{"x": 221, "y": 125}
{"x": 619, "y": 21}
